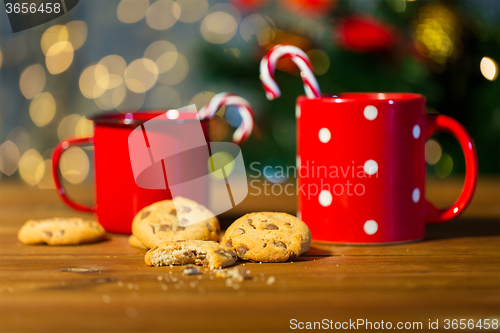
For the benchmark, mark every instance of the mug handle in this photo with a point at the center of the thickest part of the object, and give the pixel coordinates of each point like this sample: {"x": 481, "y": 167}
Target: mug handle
{"x": 56, "y": 156}
{"x": 444, "y": 123}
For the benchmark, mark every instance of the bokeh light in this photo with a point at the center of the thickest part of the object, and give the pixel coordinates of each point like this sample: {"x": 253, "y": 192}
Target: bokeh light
{"x": 163, "y": 14}
{"x": 115, "y": 66}
{"x": 131, "y": 11}
{"x": 74, "y": 165}
{"x": 67, "y": 126}
{"x": 319, "y": 61}
{"x": 42, "y": 109}
{"x": 445, "y": 166}
{"x": 218, "y": 162}
{"x": 32, "y": 81}
{"x": 433, "y": 152}
{"x": 84, "y": 128}
{"x": 437, "y": 33}
{"x": 44, "y": 175}
{"x": 163, "y": 53}
{"x": 1, "y": 58}
{"x": 59, "y": 57}
{"x": 141, "y": 75}
{"x": 177, "y": 73}
{"x": 221, "y": 24}
{"x": 202, "y": 98}
{"x": 192, "y": 10}
{"x": 29, "y": 167}
{"x": 77, "y": 33}
{"x": 489, "y": 68}
{"x": 218, "y": 128}
{"x": 9, "y": 157}
{"x": 258, "y": 26}
{"x": 94, "y": 81}
{"x": 163, "y": 97}
{"x": 53, "y": 35}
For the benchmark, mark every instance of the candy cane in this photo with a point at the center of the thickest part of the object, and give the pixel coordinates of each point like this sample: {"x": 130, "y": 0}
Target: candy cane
{"x": 225, "y": 99}
{"x": 268, "y": 66}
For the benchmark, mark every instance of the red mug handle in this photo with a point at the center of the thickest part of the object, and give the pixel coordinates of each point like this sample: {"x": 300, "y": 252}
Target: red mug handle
{"x": 444, "y": 123}
{"x": 56, "y": 156}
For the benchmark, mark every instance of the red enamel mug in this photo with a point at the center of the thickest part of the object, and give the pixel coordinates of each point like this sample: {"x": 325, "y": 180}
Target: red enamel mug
{"x": 118, "y": 197}
{"x": 361, "y": 160}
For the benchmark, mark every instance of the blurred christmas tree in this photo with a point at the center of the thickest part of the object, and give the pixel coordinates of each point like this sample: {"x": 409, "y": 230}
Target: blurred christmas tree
{"x": 445, "y": 50}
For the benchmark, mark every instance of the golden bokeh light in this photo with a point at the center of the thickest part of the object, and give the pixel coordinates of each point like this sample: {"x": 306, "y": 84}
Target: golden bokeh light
{"x": 94, "y": 81}
{"x": 9, "y": 157}
{"x": 163, "y": 14}
{"x": 131, "y": 11}
{"x": 192, "y": 10}
{"x": 433, "y": 152}
{"x": 178, "y": 72}
{"x": 258, "y": 26}
{"x": 201, "y": 99}
{"x": 437, "y": 32}
{"x": 218, "y": 27}
{"x": 116, "y": 67}
{"x": 84, "y": 128}
{"x": 1, "y": 58}
{"x": 220, "y": 165}
{"x": 141, "y": 75}
{"x": 319, "y": 61}
{"x": 74, "y": 165}
{"x": 32, "y": 81}
{"x": 42, "y": 109}
{"x": 53, "y": 35}
{"x": 29, "y": 167}
{"x": 489, "y": 68}
{"x": 44, "y": 174}
{"x": 77, "y": 33}
{"x": 163, "y": 53}
{"x": 59, "y": 57}
{"x": 67, "y": 126}
{"x": 163, "y": 97}
{"x": 131, "y": 101}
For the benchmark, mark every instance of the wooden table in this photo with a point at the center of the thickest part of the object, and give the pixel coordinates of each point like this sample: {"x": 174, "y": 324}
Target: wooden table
{"x": 453, "y": 274}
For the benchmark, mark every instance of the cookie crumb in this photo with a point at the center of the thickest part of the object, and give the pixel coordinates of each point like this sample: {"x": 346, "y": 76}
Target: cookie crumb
{"x": 191, "y": 270}
{"x": 234, "y": 274}
{"x": 271, "y": 280}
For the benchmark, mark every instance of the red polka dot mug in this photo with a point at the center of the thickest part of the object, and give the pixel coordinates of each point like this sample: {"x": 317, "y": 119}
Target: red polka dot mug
{"x": 361, "y": 167}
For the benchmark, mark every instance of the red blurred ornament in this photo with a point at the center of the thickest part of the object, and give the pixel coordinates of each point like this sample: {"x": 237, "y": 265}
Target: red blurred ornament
{"x": 364, "y": 34}
{"x": 310, "y": 8}
{"x": 249, "y": 5}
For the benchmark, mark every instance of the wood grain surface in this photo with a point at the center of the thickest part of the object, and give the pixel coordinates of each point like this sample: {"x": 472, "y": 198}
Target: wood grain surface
{"x": 453, "y": 274}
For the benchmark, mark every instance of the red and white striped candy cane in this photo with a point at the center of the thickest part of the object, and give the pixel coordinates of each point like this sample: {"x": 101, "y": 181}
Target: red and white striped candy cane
{"x": 268, "y": 66}
{"x": 225, "y": 99}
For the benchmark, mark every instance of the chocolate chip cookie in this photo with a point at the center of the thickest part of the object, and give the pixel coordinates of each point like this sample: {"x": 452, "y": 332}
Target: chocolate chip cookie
{"x": 61, "y": 231}
{"x": 165, "y": 221}
{"x": 202, "y": 253}
{"x": 268, "y": 237}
